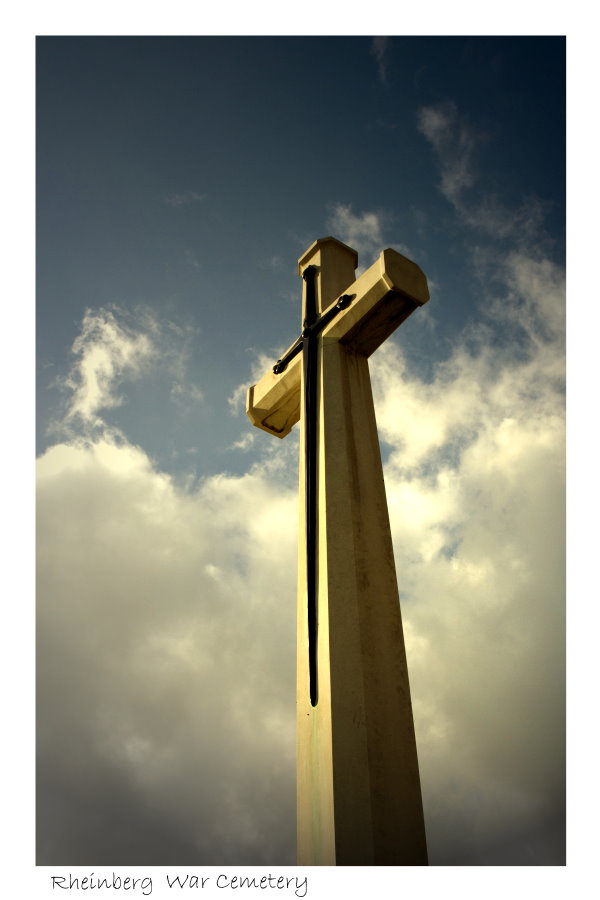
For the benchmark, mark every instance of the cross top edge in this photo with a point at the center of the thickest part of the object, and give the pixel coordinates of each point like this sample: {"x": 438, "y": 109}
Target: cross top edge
{"x": 332, "y": 244}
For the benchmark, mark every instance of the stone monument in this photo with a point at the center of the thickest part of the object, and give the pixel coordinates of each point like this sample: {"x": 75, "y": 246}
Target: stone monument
{"x": 358, "y": 789}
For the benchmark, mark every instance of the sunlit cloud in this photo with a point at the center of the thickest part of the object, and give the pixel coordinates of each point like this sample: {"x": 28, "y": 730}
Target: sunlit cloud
{"x": 107, "y": 351}
{"x": 114, "y": 349}
{"x": 475, "y": 481}
{"x": 162, "y": 635}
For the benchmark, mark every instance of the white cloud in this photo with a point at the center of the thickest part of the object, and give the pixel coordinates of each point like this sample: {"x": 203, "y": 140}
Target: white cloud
{"x": 114, "y": 348}
{"x": 107, "y": 351}
{"x": 246, "y": 442}
{"x": 166, "y": 662}
{"x": 475, "y": 484}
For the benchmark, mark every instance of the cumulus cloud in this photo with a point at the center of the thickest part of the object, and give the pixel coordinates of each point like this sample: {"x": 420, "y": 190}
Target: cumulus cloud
{"x": 165, "y": 662}
{"x": 475, "y": 483}
{"x": 166, "y": 618}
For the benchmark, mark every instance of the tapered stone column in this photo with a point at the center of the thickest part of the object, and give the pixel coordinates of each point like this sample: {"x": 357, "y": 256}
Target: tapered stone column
{"x": 358, "y": 789}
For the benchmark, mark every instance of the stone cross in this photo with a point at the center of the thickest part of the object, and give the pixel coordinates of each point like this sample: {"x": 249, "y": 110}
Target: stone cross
{"x": 358, "y": 789}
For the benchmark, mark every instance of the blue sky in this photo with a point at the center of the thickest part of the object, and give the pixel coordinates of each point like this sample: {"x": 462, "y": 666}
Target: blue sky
{"x": 179, "y": 180}
{"x": 187, "y": 175}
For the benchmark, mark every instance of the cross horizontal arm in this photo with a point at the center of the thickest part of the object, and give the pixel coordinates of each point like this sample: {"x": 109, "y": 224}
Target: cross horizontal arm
{"x": 380, "y": 300}
{"x": 274, "y": 403}
{"x": 282, "y": 363}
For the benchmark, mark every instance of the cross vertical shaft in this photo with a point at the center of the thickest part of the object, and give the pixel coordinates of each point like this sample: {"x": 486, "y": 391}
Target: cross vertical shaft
{"x": 310, "y": 393}
{"x": 358, "y": 789}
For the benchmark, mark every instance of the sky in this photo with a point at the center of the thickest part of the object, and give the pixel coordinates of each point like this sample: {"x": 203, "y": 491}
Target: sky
{"x": 178, "y": 182}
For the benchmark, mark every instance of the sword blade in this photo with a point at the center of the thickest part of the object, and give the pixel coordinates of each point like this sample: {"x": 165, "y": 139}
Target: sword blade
{"x": 310, "y": 363}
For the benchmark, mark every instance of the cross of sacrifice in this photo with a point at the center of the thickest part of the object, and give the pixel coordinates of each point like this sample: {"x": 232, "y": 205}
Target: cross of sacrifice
{"x": 358, "y": 789}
